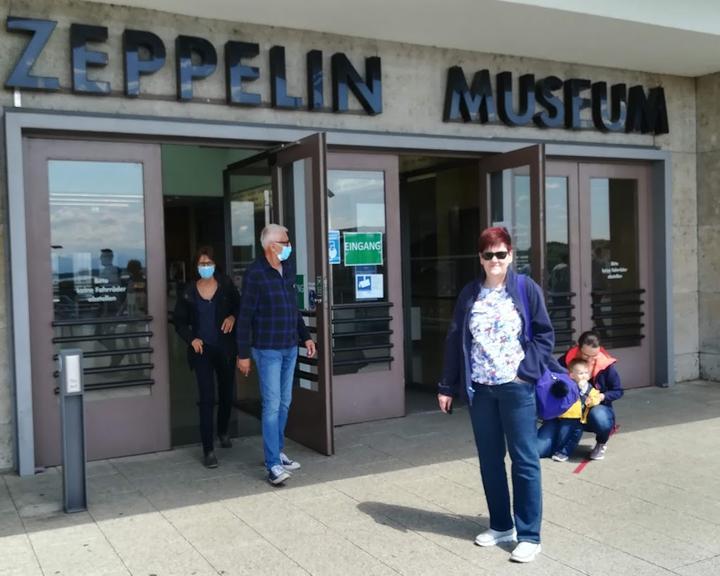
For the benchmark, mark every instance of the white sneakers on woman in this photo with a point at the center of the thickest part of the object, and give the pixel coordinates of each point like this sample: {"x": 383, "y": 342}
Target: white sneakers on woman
{"x": 492, "y": 537}
{"x": 523, "y": 552}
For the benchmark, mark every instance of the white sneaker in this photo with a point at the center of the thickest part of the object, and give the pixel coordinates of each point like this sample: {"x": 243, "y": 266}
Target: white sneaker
{"x": 288, "y": 463}
{"x": 559, "y": 457}
{"x": 492, "y": 537}
{"x": 525, "y": 552}
{"x": 598, "y": 453}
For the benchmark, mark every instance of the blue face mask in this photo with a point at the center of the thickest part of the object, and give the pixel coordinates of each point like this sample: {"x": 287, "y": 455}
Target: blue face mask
{"x": 285, "y": 253}
{"x": 206, "y": 271}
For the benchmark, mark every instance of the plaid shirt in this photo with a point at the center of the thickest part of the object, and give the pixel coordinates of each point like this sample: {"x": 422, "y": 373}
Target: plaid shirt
{"x": 268, "y": 309}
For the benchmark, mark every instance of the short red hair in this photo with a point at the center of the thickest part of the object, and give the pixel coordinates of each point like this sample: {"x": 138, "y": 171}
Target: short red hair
{"x": 493, "y": 236}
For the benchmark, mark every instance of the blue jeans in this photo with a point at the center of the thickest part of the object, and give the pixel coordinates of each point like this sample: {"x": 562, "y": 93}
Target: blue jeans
{"x": 276, "y": 369}
{"x": 559, "y": 435}
{"x": 500, "y": 414}
{"x": 601, "y": 421}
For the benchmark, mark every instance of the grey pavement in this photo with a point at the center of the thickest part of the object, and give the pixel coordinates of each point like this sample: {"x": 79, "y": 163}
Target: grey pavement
{"x": 401, "y": 496}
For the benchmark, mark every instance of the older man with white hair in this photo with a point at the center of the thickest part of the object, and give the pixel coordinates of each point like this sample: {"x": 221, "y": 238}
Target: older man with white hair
{"x": 270, "y": 327}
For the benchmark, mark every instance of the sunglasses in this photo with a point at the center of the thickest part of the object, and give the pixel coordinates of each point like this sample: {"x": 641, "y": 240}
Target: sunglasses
{"x": 501, "y": 255}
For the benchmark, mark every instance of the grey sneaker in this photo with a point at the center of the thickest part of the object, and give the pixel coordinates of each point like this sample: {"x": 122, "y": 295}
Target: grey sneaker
{"x": 277, "y": 475}
{"x": 560, "y": 457}
{"x": 492, "y": 537}
{"x": 598, "y": 453}
{"x": 288, "y": 463}
{"x": 525, "y": 552}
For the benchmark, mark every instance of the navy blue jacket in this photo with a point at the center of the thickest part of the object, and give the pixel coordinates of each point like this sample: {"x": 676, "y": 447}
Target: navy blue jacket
{"x": 457, "y": 375}
{"x": 269, "y": 317}
{"x": 185, "y": 316}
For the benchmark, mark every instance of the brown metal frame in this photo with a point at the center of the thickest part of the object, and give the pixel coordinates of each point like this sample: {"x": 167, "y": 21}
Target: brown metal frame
{"x": 636, "y": 364}
{"x": 311, "y": 416}
{"x": 534, "y": 158}
{"x": 143, "y": 414}
{"x": 375, "y": 395}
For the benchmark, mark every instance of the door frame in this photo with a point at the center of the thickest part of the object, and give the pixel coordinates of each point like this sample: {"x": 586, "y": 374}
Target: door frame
{"x": 20, "y": 122}
{"x": 378, "y": 398}
{"x": 640, "y": 173}
{"x": 305, "y": 424}
{"x": 122, "y": 409}
{"x": 534, "y": 158}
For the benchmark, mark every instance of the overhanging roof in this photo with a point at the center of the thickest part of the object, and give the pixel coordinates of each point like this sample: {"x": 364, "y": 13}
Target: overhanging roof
{"x": 662, "y": 36}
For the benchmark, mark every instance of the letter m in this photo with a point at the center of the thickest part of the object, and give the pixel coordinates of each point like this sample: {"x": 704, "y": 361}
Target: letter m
{"x": 476, "y": 101}
{"x": 20, "y": 76}
{"x": 647, "y": 114}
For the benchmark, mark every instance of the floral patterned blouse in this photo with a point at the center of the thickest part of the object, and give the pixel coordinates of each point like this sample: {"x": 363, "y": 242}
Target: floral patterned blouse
{"x": 495, "y": 326}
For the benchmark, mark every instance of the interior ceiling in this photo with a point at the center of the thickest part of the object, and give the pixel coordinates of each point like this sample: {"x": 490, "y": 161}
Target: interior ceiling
{"x": 662, "y": 36}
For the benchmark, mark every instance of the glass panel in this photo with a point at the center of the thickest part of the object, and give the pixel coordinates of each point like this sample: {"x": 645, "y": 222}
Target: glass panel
{"x": 249, "y": 204}
{"x": 357, "y": 248}
{"x": 617, "y": 297}
{"x": 557, "y": 252}
{"x": 442, "y": 216}
{"x": 298, "y": 218}
{"x": 510, "y": 207}
{"x": 97, "y": 231}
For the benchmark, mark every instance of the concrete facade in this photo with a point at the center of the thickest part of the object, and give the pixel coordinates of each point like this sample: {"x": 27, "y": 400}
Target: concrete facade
{"x": 413, "y": 95}
{"x": 708, "y": 184}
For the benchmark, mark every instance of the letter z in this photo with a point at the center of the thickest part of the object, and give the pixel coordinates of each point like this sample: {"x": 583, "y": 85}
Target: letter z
{"x": 41, "y": 31}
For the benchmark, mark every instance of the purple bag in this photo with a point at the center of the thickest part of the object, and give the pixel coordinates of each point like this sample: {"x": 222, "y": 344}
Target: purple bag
{"x": 555, "y": 391}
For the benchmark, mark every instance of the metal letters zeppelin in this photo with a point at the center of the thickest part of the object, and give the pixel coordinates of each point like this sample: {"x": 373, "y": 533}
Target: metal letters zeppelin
{"x": 195, "y": 59}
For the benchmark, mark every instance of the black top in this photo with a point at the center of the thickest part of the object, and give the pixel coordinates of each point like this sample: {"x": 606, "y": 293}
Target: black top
{"x": 188, "y": 323}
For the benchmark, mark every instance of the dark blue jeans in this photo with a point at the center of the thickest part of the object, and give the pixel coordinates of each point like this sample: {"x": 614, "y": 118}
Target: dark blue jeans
{"x": 601, "y": 421}
{"x": 559, "y": 435}
{"x": 500, "y": 414}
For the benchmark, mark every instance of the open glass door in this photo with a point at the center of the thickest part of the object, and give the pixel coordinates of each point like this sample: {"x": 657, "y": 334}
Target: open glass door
{"x": 298, "y": 172}
{"x": 512, "y": 195}
{"x": 299, "y": 176}
{"x": 286, "y": 185}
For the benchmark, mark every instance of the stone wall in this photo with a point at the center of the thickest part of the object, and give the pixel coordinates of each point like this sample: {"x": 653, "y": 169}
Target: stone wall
{"x": 708, "y": 218}
{"x": 413, "y": 94}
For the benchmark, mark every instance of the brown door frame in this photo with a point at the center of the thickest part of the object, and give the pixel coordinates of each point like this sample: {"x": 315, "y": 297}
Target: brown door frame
{"x": 628, "y": 357}
{"x": 370, "y": 396}
{"x": 144, "y": 415}
{"x": 310, "y": 421}
{"x": 534, "y": 158}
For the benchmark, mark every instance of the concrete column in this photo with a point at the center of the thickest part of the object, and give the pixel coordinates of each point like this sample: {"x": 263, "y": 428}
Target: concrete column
{"x": 708, "y": 206}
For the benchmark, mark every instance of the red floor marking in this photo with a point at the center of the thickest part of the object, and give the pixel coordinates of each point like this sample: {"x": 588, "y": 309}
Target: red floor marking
{"x": 581, "y": 466}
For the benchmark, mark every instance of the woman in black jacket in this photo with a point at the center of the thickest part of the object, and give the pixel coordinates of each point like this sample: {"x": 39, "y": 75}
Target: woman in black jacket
{"x": 204, "y": 318}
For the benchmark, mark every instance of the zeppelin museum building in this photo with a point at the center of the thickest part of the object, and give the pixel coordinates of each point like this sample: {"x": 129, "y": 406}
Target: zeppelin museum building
{"x": 385, "y": 136}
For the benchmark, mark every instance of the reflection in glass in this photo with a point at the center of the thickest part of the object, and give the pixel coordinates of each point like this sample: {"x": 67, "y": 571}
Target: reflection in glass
{"x": 97, "y": 231}
{"x": 616, "y": 292}
{"x": 560, "y": 300}
{"x": 510, "y": 207}
{"x": 356, "y": 203}
{"x": 442, "y": 215}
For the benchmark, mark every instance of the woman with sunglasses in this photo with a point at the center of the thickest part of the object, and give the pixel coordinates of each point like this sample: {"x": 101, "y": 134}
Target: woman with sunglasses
{"x": 489, "y": 360}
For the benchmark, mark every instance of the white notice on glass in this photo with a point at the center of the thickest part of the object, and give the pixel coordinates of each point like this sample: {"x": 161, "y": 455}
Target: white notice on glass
{"x": 72, "y": 374}
{"x": 368, "y": 286}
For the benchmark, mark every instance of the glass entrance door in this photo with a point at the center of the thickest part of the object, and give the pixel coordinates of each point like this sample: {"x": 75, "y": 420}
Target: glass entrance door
{"x": 97, "y": 282}
{"x": 364, "y": 257}
{"x": 287, "y": 185}
{"x": 598, "y": 261}
{"x": 299, "y": 177}
{"x": 615, "y": 261}
{"x": 511, "y": 185}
